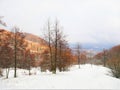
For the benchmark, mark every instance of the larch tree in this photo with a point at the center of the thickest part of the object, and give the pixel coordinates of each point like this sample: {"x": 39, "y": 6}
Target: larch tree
{"x": 49, "y": 54}
{"x": 56, "y": 32}
{"x": 104, "y": 57}
{"x": 29, "y": 60}
{"x": 62, "y": 44}
{"x": 6, "y": 58}
{"x": 6, "y": 51}
{"x": 113, "y": 60}
{"x": 56, "y": 42}
{"x": 78, "y": 53}
{"x": 19, "y": 45}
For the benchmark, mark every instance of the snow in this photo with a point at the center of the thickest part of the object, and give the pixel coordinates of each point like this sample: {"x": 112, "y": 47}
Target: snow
{"x": 87, "y": 77}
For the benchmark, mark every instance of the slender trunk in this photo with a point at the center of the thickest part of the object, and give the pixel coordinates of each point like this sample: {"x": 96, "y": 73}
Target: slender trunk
{"x": 60, "y": 65}
{"x": 15, "y": 48}
{"x": 29, "y": 67}
{"x": 78, "y": 54}
{"x": 55, "y": 61}
{"x": 7, "y": 72}
{"x": 50, "y": 48}
{"x": 104, "y": 62}
{"x": 104, "y": 59}
{"x": 51, "y": 56}
{"x": 79, "y": 60}
{"x": 29, "y": 72}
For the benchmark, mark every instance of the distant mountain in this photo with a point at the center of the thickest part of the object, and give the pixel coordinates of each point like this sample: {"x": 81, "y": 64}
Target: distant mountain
{"x": 93, "y": 46}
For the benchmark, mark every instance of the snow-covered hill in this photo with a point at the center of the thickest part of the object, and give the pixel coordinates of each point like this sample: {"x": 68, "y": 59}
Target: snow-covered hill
{"x": 87, "y": 77}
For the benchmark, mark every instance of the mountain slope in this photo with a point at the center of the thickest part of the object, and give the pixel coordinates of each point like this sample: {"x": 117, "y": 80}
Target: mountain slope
{"x": 34, "y": 38}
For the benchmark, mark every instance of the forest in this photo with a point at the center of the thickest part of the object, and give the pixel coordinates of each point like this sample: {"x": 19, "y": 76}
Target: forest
{"x": 59, "y": 44}
{"x": 18, "y": 52}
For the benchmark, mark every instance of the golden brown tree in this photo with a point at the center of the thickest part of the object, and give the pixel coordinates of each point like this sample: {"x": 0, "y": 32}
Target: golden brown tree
{"x": 6, "y": 52}
{"x": 19, "y": 44}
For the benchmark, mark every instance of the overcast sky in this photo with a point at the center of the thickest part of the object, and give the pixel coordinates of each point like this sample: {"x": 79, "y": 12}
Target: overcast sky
{"x": 84, "y": 21}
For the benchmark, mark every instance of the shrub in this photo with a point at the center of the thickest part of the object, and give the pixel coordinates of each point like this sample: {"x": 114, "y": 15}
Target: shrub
{"x": 114, "y": 65}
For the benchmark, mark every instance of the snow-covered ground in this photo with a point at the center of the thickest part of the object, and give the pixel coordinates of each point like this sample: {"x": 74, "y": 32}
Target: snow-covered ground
{"x": 87, "y": 77}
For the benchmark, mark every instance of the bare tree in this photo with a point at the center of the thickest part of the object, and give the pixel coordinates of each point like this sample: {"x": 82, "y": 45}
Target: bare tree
{"x": 58, "y": 42}
{"x": 6, "y": 58}
{"x": 19, "y": 45}
{"x": 62, "y": 45}
{"x": 58, "y": 49}
{"x": 104, "y": 56}
{"x": 28, "y": 60}
{"x": 60, "y": 55}
{"x": 50, "y": 44}
{"x": 56, "y": 31}
{"x": 48, "y": 37}
{"x": 5, "y": 47}
{"x": 78, "y": 52}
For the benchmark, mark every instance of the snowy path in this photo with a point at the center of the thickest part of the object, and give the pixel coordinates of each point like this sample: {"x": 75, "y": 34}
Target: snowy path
{"x": 88, "y": 77}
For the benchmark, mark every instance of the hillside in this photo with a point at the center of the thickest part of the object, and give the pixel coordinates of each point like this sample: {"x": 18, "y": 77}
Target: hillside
{"x": 34, "y": 38}
{"x": 28, "y": 36}
{"x": 35, "y": 44}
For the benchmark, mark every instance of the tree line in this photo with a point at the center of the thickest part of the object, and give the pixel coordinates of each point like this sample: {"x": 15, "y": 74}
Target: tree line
{"x": 58, "y": 55}
{"x": 110, "y": 58}
{"x": 15, "y": 54}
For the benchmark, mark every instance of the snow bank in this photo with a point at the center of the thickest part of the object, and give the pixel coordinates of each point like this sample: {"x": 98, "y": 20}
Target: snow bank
{"x": 87, "y": 77}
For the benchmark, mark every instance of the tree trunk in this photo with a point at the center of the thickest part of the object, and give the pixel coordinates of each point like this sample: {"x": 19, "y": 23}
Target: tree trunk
{"x": 29, "y": 67}
{"x": 60, "y": 63}
{"x": 7, "y": 72}
{"x": 15, "y": 48}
